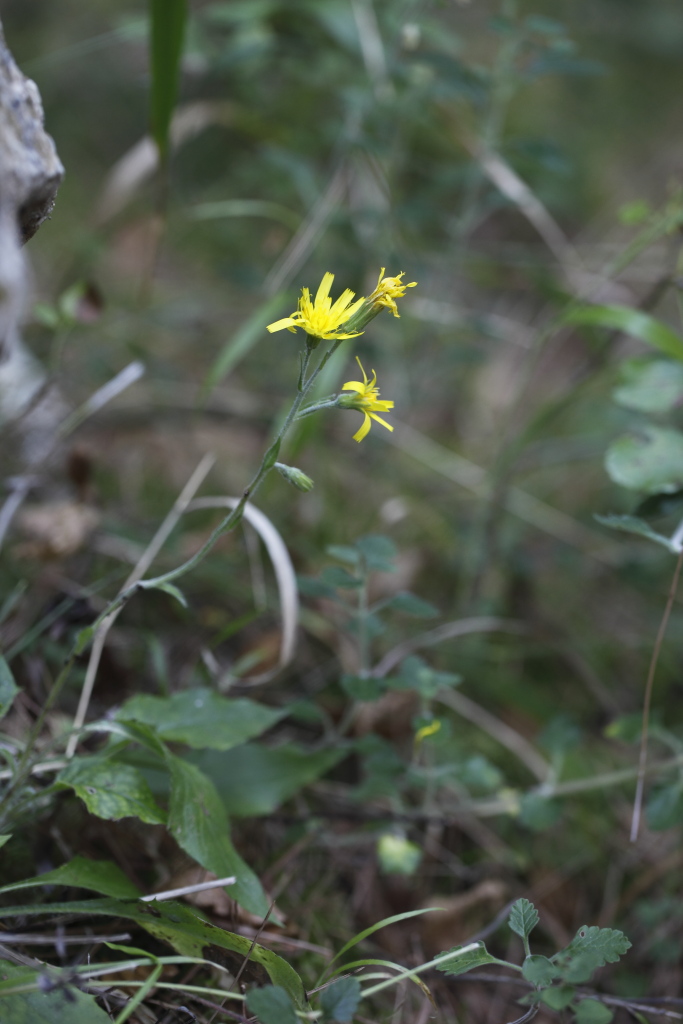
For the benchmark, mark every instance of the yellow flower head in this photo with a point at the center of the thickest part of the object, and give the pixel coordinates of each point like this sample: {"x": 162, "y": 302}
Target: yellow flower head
{"x": 321, "y": 318}
{"x": 367, "y": 401}
{"x": 388, "y": 290}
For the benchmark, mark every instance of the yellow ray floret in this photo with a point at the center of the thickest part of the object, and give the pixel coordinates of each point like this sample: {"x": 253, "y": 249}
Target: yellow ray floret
{"x": 388, "y": 290}
{"x": 321, "y": 318}
{"x": 367, "y": 402}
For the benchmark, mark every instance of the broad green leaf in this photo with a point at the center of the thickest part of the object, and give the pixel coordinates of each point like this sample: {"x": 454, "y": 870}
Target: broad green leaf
{"x": 665, "y": 807}
{"x": 416, "y": 674}
{"x": 201, "y": 718}
{"x": 523, "y": 918}
{"x": 111, "y": 790}
{"x": 460, "y": 965}
{"x": 649, "y": 461}
{"x": 252, "y": 779}
{"x": 336, "y": 576}
{"x": 101, "y": 876}
{"x": 590, "y": 1011}
{"x": 632, "y": 524}
{"x": 64, "y": 1004}
{"x": 198, "y": 822}
{"x": 177, "y": 925}
{"x": 272, "y": 1005}
{"x": 630, "y": 321}
{"x": 5, "y": 839}
{"x": 539, "y": 970}
{"x": 363, "y": 687}
{"x": 539, "y": 812}
{"x": 167, "y": 30}
{"x": 343, "y": 553}
{"x": 410, "y": 604}
{"x": 601, "y": 945}
{"x": 654, "y": 386}
{"x": 379, "y": 552}
{"x": 242, "y": 341}
{"x": 558, "y": 998}
{"x": 339, "y": 1001}
{"x": 8, "y": 688}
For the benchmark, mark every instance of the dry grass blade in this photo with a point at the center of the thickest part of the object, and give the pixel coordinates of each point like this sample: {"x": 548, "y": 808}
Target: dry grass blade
{"x": 138, "y": 572}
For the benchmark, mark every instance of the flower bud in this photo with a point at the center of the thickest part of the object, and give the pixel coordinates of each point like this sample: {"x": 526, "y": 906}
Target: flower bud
{"x": 295, "y": 477}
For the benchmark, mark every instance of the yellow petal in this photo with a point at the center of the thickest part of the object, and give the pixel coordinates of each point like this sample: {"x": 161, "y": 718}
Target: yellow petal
{"x": 378, "y": 419}
{"x": 354, "y": 385}
{"x": 280, "y": 325}
{"x": 364, "y": 429}
{"x": 324, "y": 289}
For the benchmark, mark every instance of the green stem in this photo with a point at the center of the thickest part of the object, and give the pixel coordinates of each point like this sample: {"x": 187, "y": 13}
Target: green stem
{"x": 228, "y": 523}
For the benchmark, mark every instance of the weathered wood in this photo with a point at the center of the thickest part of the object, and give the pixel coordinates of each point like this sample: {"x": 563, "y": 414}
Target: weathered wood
{"x": 30, "y": 170}
{"x": 30, "y": 174}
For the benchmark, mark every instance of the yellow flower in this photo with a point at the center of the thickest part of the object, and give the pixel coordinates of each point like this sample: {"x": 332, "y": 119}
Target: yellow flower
{"x": 320, "y": 318}
{"x": 388, "y": 290}
{"x": 366, "y": 401}
{"x": 427, "y": 730}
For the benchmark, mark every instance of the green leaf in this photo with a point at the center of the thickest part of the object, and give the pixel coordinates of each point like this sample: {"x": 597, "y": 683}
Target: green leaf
{"x": 252, "y": 779}
{"x": 336, "y": 576}
{"x": 558, "y": 998}
{"x": 363, "y": 687}
{"x": 596, "y": 946}
{"x": 410, "y": 604}
{"x": 110, "y": 790}
{"x": 8, "y": 688}
{"x": 665, "y": 807}
{"x": 242, "y": 342}
{"x": 270, "y": 458}
{"x": 632, "y": 524}
{"x": 539, "y": 970}
{"x": 590, "y": 1011}
{"x": 460, "y": 965}
{"x": 172, "y": 591}
{"x": 63, "y": 1004}
{"x": 379, "y": 552}
{"x": 650, "y": 461}
{"x": 654, "y": 386}
{"x": 343, "y": 553}
{"x": 339, "y": 1001}
{"x": 101, "y": 876}
{"x": 523, "y": 918}
{"x": 397, "y": 855}
{"x": 198, "y": 822}
{"x": 201, "y": 718}
{"x": 272, "y": 1005}
{"x": 5, "y": 839}
{"x": 630, "y": 321}
{"x": 177, "y": 925}
{"x": 396, "y": 919}
{"x": 167, "y": 30}
{"x": 539, "y": 812}
{"x": 417, "y": 675}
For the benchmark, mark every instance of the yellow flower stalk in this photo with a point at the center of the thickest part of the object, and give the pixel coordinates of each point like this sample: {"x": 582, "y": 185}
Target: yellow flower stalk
{"x": 366, "y": 401}
{"x": 388, "y": 290}
{"x": 322, "y": 318}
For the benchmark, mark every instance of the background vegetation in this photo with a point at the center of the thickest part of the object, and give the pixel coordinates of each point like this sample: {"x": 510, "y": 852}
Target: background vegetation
{"x": 460, "y": 724}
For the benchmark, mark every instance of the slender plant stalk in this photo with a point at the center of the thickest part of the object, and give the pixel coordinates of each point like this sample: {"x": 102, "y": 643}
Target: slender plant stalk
{"x": 24, "y": 766}
{"x": 647, "y": 701}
